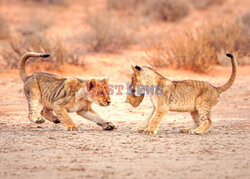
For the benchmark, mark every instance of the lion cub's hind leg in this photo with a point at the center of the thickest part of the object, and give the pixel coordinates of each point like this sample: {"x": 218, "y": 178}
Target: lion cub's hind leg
{"x": 33, "y": 96}
{"x": 203, "y": 105}
{"x": 207, "y": 122}
{"x": 196, "y": 119}
{"x": 48, "y": 114}
{"x": 205, "y": 116}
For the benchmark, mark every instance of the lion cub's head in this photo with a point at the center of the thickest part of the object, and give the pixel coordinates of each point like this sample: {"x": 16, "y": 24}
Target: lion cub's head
{"x": 98, "y": 89}
{"x": 140, "y": 78}
{"x": 137, "y": 78}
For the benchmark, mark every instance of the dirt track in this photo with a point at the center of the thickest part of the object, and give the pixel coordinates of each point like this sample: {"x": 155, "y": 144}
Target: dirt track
{"x": 47, "y": 150}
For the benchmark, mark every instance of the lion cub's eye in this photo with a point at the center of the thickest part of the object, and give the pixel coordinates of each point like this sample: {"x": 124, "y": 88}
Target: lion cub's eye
{"x": 101, "y": 93}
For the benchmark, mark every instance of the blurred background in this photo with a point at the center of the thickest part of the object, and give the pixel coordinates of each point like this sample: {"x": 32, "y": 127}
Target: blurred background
{"x": 183, "y": 34}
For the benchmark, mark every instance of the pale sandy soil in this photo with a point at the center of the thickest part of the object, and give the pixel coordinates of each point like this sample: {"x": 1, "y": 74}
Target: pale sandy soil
{"x": 47, "y": 150}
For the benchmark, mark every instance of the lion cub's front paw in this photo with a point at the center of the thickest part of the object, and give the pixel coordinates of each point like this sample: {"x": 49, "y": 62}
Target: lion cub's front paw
{"x": 57, "y": 121}
{"x": 195, "y": 131}
{"x": 140, "y": 129}
{"x": 38, "y": 120}
{"x": 71, "y": 127}
{"x": 150, "y": 130}
{"x": 108, "y": 126}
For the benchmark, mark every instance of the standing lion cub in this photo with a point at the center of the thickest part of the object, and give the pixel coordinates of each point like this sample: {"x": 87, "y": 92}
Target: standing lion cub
{"x": 60, "y": 95}
{"x": 196, "y": 97}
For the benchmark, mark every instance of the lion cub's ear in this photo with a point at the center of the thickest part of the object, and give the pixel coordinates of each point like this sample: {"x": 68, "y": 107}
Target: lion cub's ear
{"x": 138, "y": 68}
{"x": 91, "y": 85}
{"x": 135, "y": 68}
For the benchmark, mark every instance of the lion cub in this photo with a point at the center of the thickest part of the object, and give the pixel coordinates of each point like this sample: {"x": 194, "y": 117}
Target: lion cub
{"x": 62, "y": 95}
{"x": 196, "y": 97}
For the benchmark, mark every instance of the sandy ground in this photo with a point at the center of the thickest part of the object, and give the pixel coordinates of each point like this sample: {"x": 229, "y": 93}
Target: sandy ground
{"x": 47, "y": 150}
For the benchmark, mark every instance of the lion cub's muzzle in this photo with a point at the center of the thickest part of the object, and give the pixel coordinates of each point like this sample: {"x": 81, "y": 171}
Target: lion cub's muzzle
{"x": 134, "y": 100}
{"x": 107, "y": 103}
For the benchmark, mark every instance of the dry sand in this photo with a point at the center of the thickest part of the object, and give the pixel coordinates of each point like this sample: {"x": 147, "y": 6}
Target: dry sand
{"x": 47, "y": 150}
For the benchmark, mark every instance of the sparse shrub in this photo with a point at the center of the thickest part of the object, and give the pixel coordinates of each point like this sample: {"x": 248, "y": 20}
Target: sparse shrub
{"x": 123, "y": 4}
{"x": 50, "y": 2}
{"x": 17, "y": 46}
{"x": 36, "y": 25}
{"x": 203, "y": 4}
{"x": 197, "y": 50}
{"x": 166, "y": 10}
{"x": 244, "y": 22}
{"x": 4, "y": 28}
{"x": 242, "y": 42}
{"x": 108, "y": 33}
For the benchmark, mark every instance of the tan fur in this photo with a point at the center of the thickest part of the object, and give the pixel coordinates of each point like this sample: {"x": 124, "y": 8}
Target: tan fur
{"x": 134, "y": 100}
{"x": 60, "y": 95}
{"x": 196, "y": 97}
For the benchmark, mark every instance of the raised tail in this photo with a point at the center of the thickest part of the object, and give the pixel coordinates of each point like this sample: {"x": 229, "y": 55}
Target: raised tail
{"x": 22, "y": 71}
{"x": 233, "y": 75}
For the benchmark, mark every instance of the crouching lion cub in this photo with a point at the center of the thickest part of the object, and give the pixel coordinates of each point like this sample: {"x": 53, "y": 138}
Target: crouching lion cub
{"x": 60, "y": 95}
{"x": 196, "y": 97}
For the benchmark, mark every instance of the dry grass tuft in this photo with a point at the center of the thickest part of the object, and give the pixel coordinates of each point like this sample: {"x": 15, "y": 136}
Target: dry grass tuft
{"x": 108, "y": 33}
{"x": 4, "y": 28}
{"x": 32, "y": 37}
{"x": 197, "y": 50}
{"x": 123, "y": 4}
{"x": 204, "y": 4}
{"x": 16, "y": 46}
{"x": 166, "y": 10}
{"x": 49, "y": 2}
{"x": 36, "y": 25}
{"x": 244, "y": 22}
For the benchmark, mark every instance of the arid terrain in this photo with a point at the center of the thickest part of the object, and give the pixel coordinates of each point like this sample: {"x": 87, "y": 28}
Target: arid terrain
{"x": 47, "y": 150}
{"x": 29, "y": 150}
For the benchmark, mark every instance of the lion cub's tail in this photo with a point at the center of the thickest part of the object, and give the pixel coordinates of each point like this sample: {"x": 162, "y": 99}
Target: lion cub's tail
{"x": 233, "y": 75}
{"x": 24, "y": 58}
